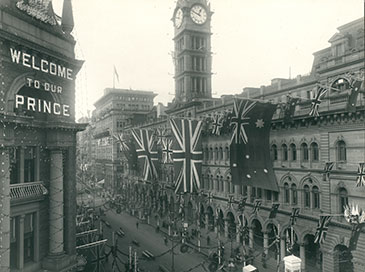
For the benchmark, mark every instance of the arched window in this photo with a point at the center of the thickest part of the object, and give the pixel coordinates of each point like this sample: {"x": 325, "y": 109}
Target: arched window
{"x": 294, "y": 194}
{"x": 316, "y": 200}
{"x": 286, "y": 193}
{"x": 227, "y": 153}
{"x": 304, "y": 152}
{"x": 212, "y": 183}
{"x": 221, "y": 184}
{"x": 314, "y": 152}
{"x": 284, "y": 150}
{"x": 307, "y": 197}
{"x": 344, "y": 200}
{"x": 206, "y": 154}
{"x": 293, "y": 152}
{"x": 341, "y": 151}
{"x": 216, "y": 158}
{"x": 220, "y": 153}
{"x": 211, "y": 153}
{"x": 274, "y": 152}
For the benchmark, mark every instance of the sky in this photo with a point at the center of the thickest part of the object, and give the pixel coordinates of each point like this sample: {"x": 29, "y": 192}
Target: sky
{"x": 252, "y": 42}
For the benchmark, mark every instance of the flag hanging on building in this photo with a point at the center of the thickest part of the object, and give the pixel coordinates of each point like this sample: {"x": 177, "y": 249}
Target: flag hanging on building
{"x": 355, "y": 234}
{"x": 294, "y": 215}
{"x": 116, "y": 74}
{"x": 242, "y": 204}
{"x": 322, "y": 228}
{"x": 161, "y": 134}
{"x": 187, "y": 154}
{"x": 123, "y": 146}
{"x": 146, "y": 152}
{"x": 128, "y": 149}
{"x": 327, "y": 170}
{"x": 250, "y": 161}
{"x": 316, "y": 101}
{"x": 167, "y": 150}
{"x": 217, "y": 124}
{"x": 360, "y": 180}
{"x": 356, "y": 217}
{"x": 226, "y": 122}
{"x": 256, "y": 206}
{"x": 355, "y": 89}
{"x": 289, "y": 109}
{"x": 274, "y": 210}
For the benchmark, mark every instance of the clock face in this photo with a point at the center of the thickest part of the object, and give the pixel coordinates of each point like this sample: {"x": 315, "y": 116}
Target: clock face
{"x": 178, "y": 18}
{"x": 198, "y": 14}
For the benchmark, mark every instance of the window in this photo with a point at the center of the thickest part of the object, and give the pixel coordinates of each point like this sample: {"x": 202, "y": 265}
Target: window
{"x": 274, "y": 152}
{"x": 216, "y": 154}
{"x": 343, "y": 199}
{"x": 286, "y": 193}
{"x": 307, "y": 198}
{"x": 268, "y": 195}
{"x": 211, "y": 153}
{"x": 293, "y": 152}
{"x": 227, "y": 153}
{"x": 341, "y": 151}
{"x": 304, "y": 151}
{"x": 220, "y": 153}
{"x": 284, "y": 149}
{"x": 314, "y": 152}
{"x": 275, "y": 196}
{"x": 294, "y": 193}
{"x": 259, "y": 193}
{"x": 316, "y": 202}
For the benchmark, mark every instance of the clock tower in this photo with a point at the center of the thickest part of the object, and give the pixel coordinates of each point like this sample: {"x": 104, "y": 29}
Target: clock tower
{"x": 193, "y": 56}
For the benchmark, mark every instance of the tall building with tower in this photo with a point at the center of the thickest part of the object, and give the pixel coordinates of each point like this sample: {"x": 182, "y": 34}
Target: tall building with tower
{"x": 38, "y": 69}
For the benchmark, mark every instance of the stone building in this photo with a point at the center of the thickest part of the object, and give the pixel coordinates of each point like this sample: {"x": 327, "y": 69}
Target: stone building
{"x": 300, "y": 149}
{"x": 38, "y": 69}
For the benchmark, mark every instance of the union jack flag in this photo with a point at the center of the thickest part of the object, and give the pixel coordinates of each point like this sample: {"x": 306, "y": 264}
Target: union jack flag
{"x": 187, "y": 154}
{"x": 161, "y": 134}
{"x": 146, "y": 150}
{"x": 322, "y": 228}
{"x": 217, "y": 124}
{"x": 239, "y": 120}
{"x": 327, "y": 170}
{"x": 360, "y": 180}
{"x": 274, "y": 210}
{"x": 316, "y": 101}
{"x": 166, "y": 150}
{"x": 294, "y": 215}
{"x": 123, "y": 146}
{"x": 257, "y": 206}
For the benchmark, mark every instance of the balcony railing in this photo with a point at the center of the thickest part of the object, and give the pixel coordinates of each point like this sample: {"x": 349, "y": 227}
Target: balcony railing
{"x": 28, "y": 190}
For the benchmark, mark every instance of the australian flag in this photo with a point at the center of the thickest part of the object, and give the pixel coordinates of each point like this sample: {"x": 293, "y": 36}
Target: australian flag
{"x": 250, "y": 161}
{"x": 355, "y": 89}
{"x": 360, "y": 180}
{"x": 187, "y": 154}
{"x": 146, "y": 152}
{"x": 322, "y": 229}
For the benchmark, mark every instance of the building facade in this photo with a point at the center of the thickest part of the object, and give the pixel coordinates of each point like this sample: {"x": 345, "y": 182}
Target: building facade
{"x": 38, "y": 69}
{"x": 300, "y": 149}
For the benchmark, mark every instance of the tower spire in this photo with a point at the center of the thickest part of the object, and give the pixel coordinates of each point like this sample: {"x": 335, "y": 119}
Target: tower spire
{"x": 67, "y": 17}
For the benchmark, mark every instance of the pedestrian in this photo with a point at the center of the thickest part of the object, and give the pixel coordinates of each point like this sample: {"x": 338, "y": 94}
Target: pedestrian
{"x": 208, "y": 240}
{"x": 137, "y": 224}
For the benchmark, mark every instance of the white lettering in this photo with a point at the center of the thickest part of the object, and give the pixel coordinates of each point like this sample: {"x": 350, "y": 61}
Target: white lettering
{"x": 61, "y": 71}
{"x": 46, "y": 107}
{"x": 15, "y": 55}
{"x": 33, "y": 64}
{"x": 69, "y": 73}
{"x": 58, "y": 111}
{"x": 39, "y": 105}
{"x": 54, "y": 70}
{"x": 36, "y": 84}
{"x": 46, "y": 86}
{"x": 31, "y": 103}
{"x": 42, "y": 67}
{"x": 29, "y": 82}
{"x": 26, "y": 58}
{"x": 66, "y": 110}
{"x": 59, "y": 89}
{"x": 19, "y": 100}
{"x": 53, "y": 88}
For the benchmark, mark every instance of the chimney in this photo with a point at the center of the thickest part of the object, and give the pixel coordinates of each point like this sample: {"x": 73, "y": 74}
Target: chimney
{"x": 67, "y": 17}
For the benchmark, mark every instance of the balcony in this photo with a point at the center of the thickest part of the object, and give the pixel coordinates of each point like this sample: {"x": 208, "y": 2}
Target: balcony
{"x": 29, "y": 191}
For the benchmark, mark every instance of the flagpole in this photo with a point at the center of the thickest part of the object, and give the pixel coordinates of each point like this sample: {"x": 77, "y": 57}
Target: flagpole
{"x": 114, "y": 79}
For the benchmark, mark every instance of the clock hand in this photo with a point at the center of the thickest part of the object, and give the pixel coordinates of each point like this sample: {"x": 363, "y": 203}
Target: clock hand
{"x": 196, "y": 13}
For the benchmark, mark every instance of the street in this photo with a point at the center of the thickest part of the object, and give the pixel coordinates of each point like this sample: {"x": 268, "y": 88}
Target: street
{"x": 153, "y": 242}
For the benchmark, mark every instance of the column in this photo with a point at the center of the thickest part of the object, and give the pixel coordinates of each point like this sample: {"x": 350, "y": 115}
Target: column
{"x": 226, "y": 187}
{"x": 5, "y": 210}
{"x": 37, "y": 164}
{"x": 282, "y": 248}
{"x": 20, "y": 242}
{"x": 251, "y": 237}
{"x": 226, "y": 225}
{"x": 36, "y": 237}
{"x": 302, "y": 255}
{"x": 56, "y": 204}
{"x": 206, "y": 222}
{"x": 237, "y": 191}
{"x": 266, "y": 243}
{"x": 21, "y": 165}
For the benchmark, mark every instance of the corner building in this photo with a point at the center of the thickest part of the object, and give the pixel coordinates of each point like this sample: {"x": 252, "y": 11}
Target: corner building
{"x": 38, "y": 137}
{"x": 300, "y": 149}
